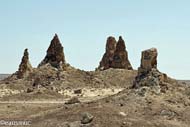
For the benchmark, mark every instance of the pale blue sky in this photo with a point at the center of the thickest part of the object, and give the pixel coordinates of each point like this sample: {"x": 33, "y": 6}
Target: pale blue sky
{"x": 84, "y": 25}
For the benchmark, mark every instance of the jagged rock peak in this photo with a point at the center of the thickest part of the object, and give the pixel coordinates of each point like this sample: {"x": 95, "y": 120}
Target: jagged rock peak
{"x": 120, "y": 45}
{"x": 107, "y": 58}
{"x": 55, "y": 55}
{"x": 25, "y": 67}
{"x": 120, "y": 58}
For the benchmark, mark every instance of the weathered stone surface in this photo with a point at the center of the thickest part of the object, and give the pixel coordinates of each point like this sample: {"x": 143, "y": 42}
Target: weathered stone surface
{"x": 25, "y": 67}
{"x": 120, "y": 58}
{"x": 86, "y": 118}
{"x": 116, "y": 55}
{"x": 168, "y": 114}
{"x": 55, "y": 55}
{"x": 148, "y": 74}
{"x": 108, "y": 56}
{"x": 149, "y": 59}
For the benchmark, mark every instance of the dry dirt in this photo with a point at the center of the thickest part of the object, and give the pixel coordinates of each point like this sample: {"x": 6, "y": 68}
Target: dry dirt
{"x": 107, "y": 95}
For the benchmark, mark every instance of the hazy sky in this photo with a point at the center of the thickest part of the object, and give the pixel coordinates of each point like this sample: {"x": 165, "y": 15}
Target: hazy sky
{"x": 84, "y": 25}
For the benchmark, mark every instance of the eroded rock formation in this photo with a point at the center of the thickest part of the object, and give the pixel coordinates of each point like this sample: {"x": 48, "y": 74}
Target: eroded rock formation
{"x": 108, "y": 56}
{"x": 148, "y": 74}
{"x": 120, "y": 58}
{"x": 148, "y": 60}
{"x": 25, "y": 67}
{"x": 116, "y": 55}
{"x": 55, "y": 55}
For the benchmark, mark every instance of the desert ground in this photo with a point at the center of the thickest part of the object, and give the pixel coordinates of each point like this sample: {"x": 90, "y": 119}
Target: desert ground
{"x": 55, "y": 94}
{"x": 111, "y": 105}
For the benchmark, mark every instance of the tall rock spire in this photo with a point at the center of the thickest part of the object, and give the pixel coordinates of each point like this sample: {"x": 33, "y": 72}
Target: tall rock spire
{"x": 120, "y": 58}
{"x": 25, "y": 67}
{"x": 107, "y": 59}
{"x": 149, "y": 60}
{"x": 55, "y": 55}
{"x": 148, "y": 74}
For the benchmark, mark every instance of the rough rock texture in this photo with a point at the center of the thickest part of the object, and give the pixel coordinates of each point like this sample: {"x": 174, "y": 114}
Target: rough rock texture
{"x": 44, "y": 76}
{"x": 148, "y": 74}
{"x": 108, "y": 56}
{"x": 25, "y": 67}
{"x": 86, "y": 118}
{"x": 149, "y": 59}
{"x": 120, "y": 58}
{"x": 55, "y": 55}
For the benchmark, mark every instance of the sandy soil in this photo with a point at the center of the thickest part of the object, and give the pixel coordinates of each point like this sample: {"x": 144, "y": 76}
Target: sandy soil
{"x": 107, "y": 95}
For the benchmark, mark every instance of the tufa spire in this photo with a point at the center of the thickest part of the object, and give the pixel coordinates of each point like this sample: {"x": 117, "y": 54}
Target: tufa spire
{"x": 55, "y": 56}
{"x": 25, "y": 67}
{"x": 120, "y": 58}
{"x": 107, "y": 59}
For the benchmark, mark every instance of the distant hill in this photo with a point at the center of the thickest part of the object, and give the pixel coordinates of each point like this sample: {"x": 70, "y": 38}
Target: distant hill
{"x": 184, "y": 81}
{"x": 2, "y": 76}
